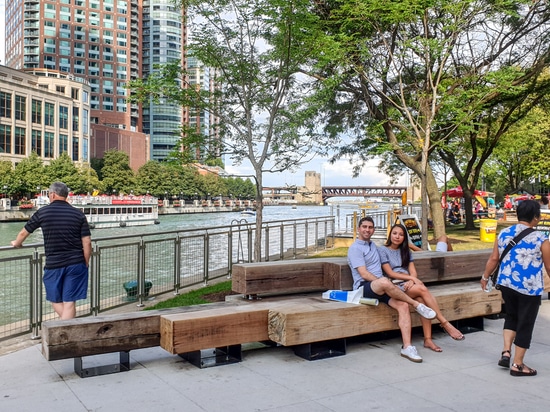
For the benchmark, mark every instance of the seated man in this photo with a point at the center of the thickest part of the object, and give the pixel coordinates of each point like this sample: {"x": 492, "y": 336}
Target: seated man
{"x": 366, "y": 269}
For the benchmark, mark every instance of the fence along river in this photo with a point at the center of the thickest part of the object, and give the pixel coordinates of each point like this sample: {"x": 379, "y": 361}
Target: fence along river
{"x": 182, "y": 251}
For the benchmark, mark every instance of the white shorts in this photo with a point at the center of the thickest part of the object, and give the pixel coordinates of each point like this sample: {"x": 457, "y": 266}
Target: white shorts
{"x": 441, "y": 247}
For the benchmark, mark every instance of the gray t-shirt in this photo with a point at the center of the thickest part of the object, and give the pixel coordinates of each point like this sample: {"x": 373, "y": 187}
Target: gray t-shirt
{"x": 363, "y": 253}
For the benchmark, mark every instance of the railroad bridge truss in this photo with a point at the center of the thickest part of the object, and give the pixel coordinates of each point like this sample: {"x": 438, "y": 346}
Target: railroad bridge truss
{"x": 363, "y": 191}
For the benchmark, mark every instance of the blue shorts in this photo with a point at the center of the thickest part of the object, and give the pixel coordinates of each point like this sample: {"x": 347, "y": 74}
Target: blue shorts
{"x": 368, "y": 293}
{"x": 67, "y": 284}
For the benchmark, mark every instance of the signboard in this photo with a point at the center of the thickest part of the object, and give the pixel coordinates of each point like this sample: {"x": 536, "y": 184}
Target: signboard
{"x": 544, "y": 223}
{"x": 412, "y": 225}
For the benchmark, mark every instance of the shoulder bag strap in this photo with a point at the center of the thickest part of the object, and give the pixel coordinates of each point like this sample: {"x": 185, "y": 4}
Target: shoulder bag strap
{"x": 514, "y": 242}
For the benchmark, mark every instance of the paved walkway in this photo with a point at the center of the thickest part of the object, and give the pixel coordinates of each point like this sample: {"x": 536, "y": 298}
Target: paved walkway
{"x": 371, "y": 376}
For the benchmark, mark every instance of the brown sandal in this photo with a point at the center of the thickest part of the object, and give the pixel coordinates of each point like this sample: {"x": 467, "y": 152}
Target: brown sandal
{"x": 433, "y": 346}
{"x": 520, "y": 372}
{"x": 460, "y": 336}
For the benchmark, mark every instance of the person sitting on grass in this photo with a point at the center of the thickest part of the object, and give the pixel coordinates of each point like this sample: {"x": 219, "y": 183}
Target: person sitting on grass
{"x": 397, "y": 263}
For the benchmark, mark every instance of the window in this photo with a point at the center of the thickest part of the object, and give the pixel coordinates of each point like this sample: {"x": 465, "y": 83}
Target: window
{"x": 20, "y": 107}
{"x": 63, "y": 117}
{"x": 60, "y": 89}
{"x": 63, "y": 144}
{"x": 20, "y": 140}
{"x": 85, "y": 121}
{"x": 48, "y": 144}
{"x": 5, "y": 139}
{"x": 49, "y": 114}
{"x": 36, "y": 115}
{"x": 76, "y": 119}
{"x": 5, "y": 104}
{"x": 74, "y": 93}
{"x": 36, "y": 142}
{"x": 75, "y": 149}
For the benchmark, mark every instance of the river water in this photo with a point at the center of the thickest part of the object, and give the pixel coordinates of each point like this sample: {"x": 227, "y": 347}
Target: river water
{"x": 9, "y": 230}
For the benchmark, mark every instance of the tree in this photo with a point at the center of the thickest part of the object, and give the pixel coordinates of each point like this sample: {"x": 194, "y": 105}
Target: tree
{"x": 28, "y": 176}
{"x": 117, "y": 173}
{"x": 522, "y": 156}
{"x": 253, "y": 50}
{"x": 416, "y": 77}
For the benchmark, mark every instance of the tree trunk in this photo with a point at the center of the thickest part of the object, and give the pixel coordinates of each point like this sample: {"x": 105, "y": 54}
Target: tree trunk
{"x": 259, "y": 219}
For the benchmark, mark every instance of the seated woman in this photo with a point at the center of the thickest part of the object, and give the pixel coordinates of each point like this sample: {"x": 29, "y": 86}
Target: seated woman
{"x": 397, "y": 263}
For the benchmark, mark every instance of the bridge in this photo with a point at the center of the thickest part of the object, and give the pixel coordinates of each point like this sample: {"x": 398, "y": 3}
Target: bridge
{"x": 322, "y": 193}
{"x": 362, "y": 191}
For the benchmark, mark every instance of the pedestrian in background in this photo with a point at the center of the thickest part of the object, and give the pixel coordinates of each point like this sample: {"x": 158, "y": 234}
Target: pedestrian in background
{"x": 521, "y": 283}
{"x": 67, "y": 246}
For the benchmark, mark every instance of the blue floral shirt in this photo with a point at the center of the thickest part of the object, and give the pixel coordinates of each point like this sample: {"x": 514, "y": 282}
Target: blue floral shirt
{"x": 521, "y": 268}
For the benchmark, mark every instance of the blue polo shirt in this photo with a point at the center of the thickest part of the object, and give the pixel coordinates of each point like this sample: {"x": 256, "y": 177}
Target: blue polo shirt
{"x": 63, "y": 227}
{"x": 363, "y": 253}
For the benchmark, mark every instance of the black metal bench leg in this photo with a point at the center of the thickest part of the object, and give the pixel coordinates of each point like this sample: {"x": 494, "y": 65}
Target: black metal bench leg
{"x": 122, "y": 366}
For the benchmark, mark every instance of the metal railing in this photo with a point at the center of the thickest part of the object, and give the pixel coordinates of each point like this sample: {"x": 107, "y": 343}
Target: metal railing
{"x": 132, "y": 269}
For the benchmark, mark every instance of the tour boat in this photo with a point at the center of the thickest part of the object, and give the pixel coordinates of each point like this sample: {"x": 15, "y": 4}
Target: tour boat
{"x": 117, "y": 211}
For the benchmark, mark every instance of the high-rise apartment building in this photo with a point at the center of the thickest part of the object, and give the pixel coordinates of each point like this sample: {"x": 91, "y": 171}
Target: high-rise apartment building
{"x": 108, "y": 43}
{"x": 163, "y": 41}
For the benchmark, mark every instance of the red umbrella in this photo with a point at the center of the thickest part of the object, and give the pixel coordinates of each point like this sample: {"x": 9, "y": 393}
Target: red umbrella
{"x": 522, "y": 197}
{"x": 457, "y": 192}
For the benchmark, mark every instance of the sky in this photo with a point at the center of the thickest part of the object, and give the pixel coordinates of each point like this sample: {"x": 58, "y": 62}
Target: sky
{"x": 337, "y": 174}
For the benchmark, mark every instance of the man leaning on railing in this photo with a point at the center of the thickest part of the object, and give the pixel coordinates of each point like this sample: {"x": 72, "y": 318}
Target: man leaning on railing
{"x": 68, "y": 247}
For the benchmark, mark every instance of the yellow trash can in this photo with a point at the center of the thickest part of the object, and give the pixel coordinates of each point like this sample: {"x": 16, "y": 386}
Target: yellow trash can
{"x": 487, "y": 230}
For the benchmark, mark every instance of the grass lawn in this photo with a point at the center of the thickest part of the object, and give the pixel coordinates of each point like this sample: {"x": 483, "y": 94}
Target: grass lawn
{"x": 461, "y": 239}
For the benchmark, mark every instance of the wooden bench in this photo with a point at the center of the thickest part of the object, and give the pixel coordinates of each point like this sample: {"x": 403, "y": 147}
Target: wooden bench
{"x": 312, "y": 275}
{"x": 316, "y": 319}
{"x": 453, "y": 279}
{"x": 82, "y": 337}
{"x": 289, "y": 312}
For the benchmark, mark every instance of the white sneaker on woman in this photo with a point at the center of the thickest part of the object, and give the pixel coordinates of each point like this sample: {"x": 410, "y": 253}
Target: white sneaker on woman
{"x": 425, "y": 311}
{"x": 411, "y": 354}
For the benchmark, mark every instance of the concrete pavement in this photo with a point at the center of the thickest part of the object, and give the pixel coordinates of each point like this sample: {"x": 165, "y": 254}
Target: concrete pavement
{"x": 371, "y": 376}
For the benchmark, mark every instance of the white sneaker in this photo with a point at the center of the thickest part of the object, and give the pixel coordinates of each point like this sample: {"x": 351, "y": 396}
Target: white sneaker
{"x": 425, "y": 311}
{"x": 411, "y": 354}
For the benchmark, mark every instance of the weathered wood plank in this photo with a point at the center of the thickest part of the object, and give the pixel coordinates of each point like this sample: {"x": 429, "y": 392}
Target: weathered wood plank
{"x": 187, "y": 332}
{"x": 287, "y": 276}
{"x": 316, "y": 320}
{"x": 64, "y": 339}
{"x": 310, "y": 275}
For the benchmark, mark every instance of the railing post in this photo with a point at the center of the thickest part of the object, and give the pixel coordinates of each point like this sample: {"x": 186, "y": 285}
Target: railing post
{"x": 266, "y": 240}
{"x": 282, "y": 242}
{"x": 36, "y": 295}
{"x": 177, "y": 264}
{"x": 230, "y": 252}
{"x": 141, "y": 273}
{"x": 250, "y": 244}
{"x": 295, "y": 231}
{"x": 306, "y": 237}
{"x": 94, "y": 269}
{"x": 206, "y": 253}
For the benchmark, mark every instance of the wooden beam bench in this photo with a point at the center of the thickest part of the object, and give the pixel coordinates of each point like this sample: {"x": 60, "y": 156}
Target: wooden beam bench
{"x": 314, "y": 320}
{"x": 289, "y": 312}
{"x": 112, "y": 333}
{"x": 313, "y": 275}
